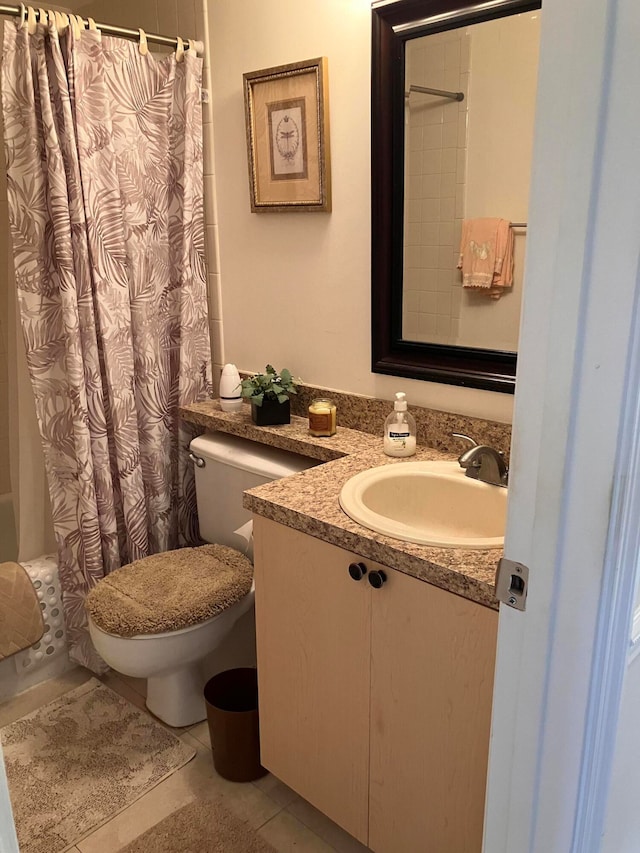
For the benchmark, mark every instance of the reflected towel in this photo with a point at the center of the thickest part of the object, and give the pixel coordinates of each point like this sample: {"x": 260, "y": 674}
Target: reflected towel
{"x": 486, "y": 255}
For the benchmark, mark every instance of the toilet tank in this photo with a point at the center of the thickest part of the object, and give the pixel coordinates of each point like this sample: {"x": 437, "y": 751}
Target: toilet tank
{"x": 232, "y": 465}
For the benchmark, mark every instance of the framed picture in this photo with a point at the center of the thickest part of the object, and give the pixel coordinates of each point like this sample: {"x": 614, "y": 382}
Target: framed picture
{"x": 287, "y": 116}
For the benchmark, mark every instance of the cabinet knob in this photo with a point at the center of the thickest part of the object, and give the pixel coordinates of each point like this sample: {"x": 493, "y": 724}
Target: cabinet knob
{"x": 377, "y": 578}
{"x": 357, "y": 571}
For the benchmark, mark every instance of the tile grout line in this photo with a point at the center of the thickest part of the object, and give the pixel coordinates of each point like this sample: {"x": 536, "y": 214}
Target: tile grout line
{"x": 306, "y": 825}
{"x": 280, "y": 810}
{"x": 273, "y": 816}
{"x": 292, "y": 815}
{"x": 296, "y": 818}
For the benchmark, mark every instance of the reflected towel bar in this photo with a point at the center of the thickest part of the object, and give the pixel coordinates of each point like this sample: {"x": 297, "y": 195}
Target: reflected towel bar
{"x": 442, "y": 93}
{"x": 518, "y": 224}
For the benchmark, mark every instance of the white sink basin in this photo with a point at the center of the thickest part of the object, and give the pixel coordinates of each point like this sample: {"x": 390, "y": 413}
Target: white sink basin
{"x": 431, "y": 503}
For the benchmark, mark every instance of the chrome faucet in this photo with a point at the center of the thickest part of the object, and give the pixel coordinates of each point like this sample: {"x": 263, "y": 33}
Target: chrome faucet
{"x": 482, "y": 462}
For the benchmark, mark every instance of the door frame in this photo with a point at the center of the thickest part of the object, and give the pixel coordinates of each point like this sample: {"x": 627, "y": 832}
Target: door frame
{"x": 575, "y": 458}
{"x": 8, "y": 838}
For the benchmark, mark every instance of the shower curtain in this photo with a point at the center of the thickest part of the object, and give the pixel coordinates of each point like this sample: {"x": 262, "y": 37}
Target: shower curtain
{"x": 31, "y": 504}
{"x": 103, "y": 150}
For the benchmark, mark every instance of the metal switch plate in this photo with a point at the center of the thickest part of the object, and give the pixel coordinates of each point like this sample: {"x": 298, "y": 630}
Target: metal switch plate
{"x": 512, "y": 583}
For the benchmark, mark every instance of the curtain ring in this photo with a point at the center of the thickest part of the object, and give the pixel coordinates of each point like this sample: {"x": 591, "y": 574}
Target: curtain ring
{"x": 143, "y": 47}
{"x": 52, "y": 21}
{"x": 92, "y": 25}
{"x": 43, "y": 18}
{"x": 77, "y": 25}
{"x": 192, "y": 47}
{"x": 179, "y": 49}
{"x": 23, "y": 15}
{"x": 62, "y": 21}
{"x": 32, "y": 24}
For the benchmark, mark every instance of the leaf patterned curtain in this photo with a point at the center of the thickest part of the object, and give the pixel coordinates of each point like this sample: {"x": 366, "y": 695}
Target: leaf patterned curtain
{"x": 104, "y": 163}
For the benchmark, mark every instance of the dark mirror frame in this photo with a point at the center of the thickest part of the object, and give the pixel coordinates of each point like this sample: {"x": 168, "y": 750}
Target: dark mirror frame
{"x": 493, "y": 370}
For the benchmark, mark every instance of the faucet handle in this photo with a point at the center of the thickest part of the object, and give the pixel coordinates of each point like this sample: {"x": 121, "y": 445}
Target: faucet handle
{"x": 464, "y": 437}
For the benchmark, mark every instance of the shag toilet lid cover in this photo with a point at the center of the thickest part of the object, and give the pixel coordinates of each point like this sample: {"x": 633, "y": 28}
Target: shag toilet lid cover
{"x": 169, "y": 591}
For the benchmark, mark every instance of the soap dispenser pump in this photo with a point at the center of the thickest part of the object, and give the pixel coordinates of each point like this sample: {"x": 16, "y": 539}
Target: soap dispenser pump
{"x": 400, "y": 429}
{"x": 230, "y": 388}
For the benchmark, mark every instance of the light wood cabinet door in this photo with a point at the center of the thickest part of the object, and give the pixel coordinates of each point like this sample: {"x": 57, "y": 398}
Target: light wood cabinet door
{"x": 313, "y": 643}
{"x": 433, "y": 656}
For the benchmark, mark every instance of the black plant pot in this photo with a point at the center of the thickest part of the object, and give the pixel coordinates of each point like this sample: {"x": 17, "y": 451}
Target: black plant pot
{"x": 271, "y": 412}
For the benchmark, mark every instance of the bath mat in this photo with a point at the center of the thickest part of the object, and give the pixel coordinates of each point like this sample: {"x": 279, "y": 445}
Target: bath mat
{"x": 202, "y": 826}
{"x": 78, "y": 761}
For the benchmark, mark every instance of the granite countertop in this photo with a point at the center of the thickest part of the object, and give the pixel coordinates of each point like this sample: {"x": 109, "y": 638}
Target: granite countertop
{"x": 308, "y": 501}
{"x": 294, "y": 436}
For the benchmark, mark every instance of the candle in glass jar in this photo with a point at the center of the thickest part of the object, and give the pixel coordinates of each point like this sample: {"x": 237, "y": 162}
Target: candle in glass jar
{"x": 322, "y": 417}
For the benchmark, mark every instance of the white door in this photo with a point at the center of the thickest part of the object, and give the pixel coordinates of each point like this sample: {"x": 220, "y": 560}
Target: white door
{"x": 575, "y": 486}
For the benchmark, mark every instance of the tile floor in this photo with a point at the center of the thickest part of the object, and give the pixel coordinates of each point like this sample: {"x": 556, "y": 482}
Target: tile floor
{"x": 280, "y": 816}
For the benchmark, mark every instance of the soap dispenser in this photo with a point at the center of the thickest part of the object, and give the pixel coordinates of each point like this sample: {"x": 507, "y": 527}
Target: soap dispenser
{"x": 400, "y": 429}
{"x": 230, "y": 388}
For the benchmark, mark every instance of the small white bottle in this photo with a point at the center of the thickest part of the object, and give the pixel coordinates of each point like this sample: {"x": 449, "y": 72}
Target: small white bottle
{"x": 230, "y": 397}
{"x": 400, "y": 429}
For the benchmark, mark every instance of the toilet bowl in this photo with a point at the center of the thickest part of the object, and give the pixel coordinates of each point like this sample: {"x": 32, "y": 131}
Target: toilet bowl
{"x": 170, "y": 660}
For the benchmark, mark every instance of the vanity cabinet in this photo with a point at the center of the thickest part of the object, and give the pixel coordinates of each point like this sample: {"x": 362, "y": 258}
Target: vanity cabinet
{"x": 375, "y": 703}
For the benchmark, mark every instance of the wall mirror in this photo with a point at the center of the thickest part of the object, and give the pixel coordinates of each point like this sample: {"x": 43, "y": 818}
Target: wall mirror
{"x": 453, "y": 105}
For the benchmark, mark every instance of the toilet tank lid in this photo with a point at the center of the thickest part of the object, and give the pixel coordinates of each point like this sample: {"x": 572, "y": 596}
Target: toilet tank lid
{"x": 261, "y": 459}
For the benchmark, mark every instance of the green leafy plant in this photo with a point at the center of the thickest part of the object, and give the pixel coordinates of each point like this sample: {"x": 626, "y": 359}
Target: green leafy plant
{"x": 269, "y": 385}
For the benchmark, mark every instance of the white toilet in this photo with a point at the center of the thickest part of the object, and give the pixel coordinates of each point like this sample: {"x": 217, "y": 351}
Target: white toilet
{"x": 225, "y": 467}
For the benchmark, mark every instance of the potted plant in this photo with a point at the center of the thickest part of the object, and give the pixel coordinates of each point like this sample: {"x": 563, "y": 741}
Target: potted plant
{"x": 269, "y": 394}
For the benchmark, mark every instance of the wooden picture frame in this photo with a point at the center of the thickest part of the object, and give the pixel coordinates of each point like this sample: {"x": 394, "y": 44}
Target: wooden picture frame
{"x": 287, "y": 121}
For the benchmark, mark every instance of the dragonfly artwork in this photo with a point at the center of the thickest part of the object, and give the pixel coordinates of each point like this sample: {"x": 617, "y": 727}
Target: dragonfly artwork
{"x": 287, "y": 119}
{"x": 287, "y": 137}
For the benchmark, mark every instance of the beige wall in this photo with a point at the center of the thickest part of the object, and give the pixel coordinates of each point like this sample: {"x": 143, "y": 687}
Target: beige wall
{"x": 169, "y": 17}
{"x": 296, "y": 286}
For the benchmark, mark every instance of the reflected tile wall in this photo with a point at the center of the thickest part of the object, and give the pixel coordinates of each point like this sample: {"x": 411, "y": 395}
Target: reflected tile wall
{"x": 435, "y": 158}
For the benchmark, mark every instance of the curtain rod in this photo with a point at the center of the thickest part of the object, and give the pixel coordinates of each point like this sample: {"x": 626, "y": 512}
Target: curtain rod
{"x": 113, "y": 30}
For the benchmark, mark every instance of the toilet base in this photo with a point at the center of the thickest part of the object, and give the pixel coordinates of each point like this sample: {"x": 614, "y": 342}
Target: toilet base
{"x": 176, "y": 697}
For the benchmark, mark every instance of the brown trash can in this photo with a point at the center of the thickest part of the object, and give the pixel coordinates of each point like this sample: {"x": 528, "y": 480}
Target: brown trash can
{"x": 232, "y": 713}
